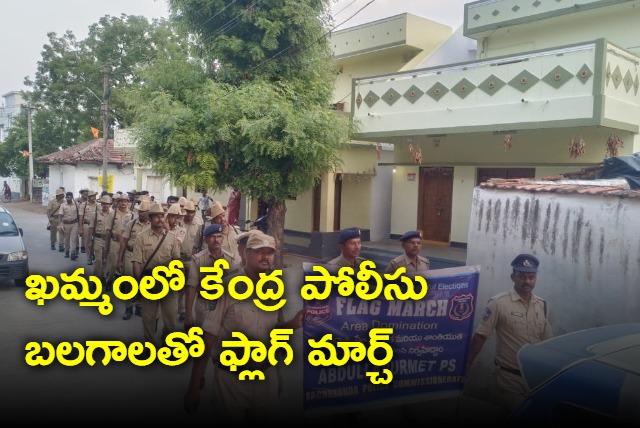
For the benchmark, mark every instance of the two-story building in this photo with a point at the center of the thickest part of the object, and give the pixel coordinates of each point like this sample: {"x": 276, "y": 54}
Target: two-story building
{"x": 554, "y": 86}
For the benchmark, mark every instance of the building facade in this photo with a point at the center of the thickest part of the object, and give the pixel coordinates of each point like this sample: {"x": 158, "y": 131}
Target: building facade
{"x": 554, "y": 86}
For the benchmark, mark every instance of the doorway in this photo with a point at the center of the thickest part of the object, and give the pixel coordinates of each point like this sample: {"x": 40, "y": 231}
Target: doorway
{"x": 435, "y": 196}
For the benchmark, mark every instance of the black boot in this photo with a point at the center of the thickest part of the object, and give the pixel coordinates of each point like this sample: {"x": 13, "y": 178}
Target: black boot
{"x": 74, "y": 255}
{"x": 82, "y": 250}
{"x": 60, "y": 248}
{"x": 66, "y": 255}
{"x": 138, "y": 310}
{"x": 127, "y": 313}
{"x": 53, "y": 247}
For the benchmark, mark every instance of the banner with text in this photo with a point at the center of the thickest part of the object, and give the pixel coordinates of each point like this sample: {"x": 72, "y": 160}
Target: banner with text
{"x": 430, "y": 343}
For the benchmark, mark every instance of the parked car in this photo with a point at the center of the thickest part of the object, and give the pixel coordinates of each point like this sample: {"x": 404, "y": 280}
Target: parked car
{"x": 14, "y": 259}
{"x": 590, "y": 376}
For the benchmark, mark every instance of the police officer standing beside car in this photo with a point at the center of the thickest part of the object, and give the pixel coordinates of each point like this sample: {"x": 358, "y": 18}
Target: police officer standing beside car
{"x": 518, "y": 317}
{"x": 52, "y": 214}
{"x": 69, "y": 215}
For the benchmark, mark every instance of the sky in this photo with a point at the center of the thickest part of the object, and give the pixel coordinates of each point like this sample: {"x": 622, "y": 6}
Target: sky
{"x": 24, "y": 24}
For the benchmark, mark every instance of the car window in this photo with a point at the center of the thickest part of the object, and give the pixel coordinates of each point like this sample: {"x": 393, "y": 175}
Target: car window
{"x": 8, "y": 226}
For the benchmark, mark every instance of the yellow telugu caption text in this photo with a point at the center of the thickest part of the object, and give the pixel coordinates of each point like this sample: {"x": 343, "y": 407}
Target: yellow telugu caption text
{"x": 180, "y": 346}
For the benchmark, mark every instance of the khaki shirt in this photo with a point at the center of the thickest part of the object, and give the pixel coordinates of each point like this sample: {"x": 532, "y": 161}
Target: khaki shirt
{"x": 244, "y": 316}
{"x": 516, "y": 323}
{"x": 180, "y": 232}
{"x": 191, "y": 239}
{"x": 205, "y": 259}
{"x": 99, "y": 223}
{"x": 69, "y": 212}
{"x": 145, "y": 244}
{"x": 87, "y": 211}
{"x": 403, "y": 261}
{"x": 342, "y": 262}
{"x": 132, "y": 229}
{"x": 229, "y": 242}
{"x": 53, "y": 207}
{"x": 117, "y": 225}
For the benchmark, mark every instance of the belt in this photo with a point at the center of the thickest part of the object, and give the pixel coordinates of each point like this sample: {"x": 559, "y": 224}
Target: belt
{"x": 185, "y": 257}
{"x": 129, "y": 247}
{"x": 87, "y": 222}
{"x": 70, "y": 221}
{"x": 512, "y": 371}
{"x": 261, "y": 366}
{"x": 97, "y": 235}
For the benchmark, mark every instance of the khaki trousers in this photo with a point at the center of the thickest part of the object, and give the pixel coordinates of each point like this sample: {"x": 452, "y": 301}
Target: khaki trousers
{"x": 128, "y": 270}
{"x": 86, "y": 238}
{"x": 98, "y": 266}
{"x": 182, "y": 293}
{"x": 168, "y": 307}
{"x": 70, "y": 237}
{"x": 54, "y": 233}
{"x": 112, "y": 260}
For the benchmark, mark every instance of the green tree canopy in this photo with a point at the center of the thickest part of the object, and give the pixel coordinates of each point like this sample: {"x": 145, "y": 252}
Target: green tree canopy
{"x": 67, "y": 90}
{"x": 261, "y": 120}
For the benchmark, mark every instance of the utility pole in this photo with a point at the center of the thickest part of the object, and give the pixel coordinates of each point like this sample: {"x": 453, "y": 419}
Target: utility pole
{"x": 29, "y": 108}
{"x": 104, "y": 107}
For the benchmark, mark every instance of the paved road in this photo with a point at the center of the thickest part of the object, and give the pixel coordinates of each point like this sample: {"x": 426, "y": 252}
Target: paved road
{"x": 121, "y": 392}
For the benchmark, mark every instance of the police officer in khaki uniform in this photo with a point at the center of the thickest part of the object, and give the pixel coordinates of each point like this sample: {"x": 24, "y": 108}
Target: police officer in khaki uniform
{"x": 230, "y": 232}
{"x": 205, "y": 258}
{"x": 174, "y": 225}
{"x": 411, "y": 258}
{"x": 84, "y": 197}
{"x": 350, "y": 243}
{"x": 238, "y": 401}
{"x": 69, "y": 215}
{"x": 98, "y": 229}
{"x": 87, "y": 210}
{"x": 52, "y": 214}
{"x": 125, "y": 251}
{"x": 187, "y": 249}
{"x": 116, "y": 222}
{"x": 242, "y": 242}
{"x": 518, "y": 317}
{"x": 164, "y": 247}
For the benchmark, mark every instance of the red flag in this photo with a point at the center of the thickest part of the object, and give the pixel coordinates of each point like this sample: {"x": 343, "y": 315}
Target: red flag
{"x": 95, "y": 132}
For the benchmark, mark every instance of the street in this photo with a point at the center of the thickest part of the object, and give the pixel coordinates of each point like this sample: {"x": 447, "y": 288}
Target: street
{"x": 122, "y": 392}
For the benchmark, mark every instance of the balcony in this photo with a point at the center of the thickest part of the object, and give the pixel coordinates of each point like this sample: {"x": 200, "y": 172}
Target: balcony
{"x": 404, "y": 35}
{"x": 483, "y": 17}
{"x": 590, "y": 84}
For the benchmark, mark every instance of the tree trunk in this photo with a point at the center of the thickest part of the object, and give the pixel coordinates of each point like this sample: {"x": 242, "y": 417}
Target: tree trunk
{"x": 275, "y": 228}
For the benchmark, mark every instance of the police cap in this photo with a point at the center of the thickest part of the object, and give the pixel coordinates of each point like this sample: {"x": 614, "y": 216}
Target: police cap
{"x": 211, "y": 229}
{"x": 410, "y": 235}
{"x": 525, "y": 263}
{"x": 349, "y": 233}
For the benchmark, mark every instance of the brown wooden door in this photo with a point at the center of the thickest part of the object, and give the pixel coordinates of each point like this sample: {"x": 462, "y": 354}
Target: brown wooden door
{"x": 434, "y": 203}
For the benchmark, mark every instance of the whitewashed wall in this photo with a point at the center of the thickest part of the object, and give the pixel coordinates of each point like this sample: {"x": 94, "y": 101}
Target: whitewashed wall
{"x": 589, "y": 252}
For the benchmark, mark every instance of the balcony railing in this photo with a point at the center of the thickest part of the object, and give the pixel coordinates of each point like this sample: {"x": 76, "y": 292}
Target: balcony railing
{"x": 484, "y": 16}
{"x": 593, "y": 83}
